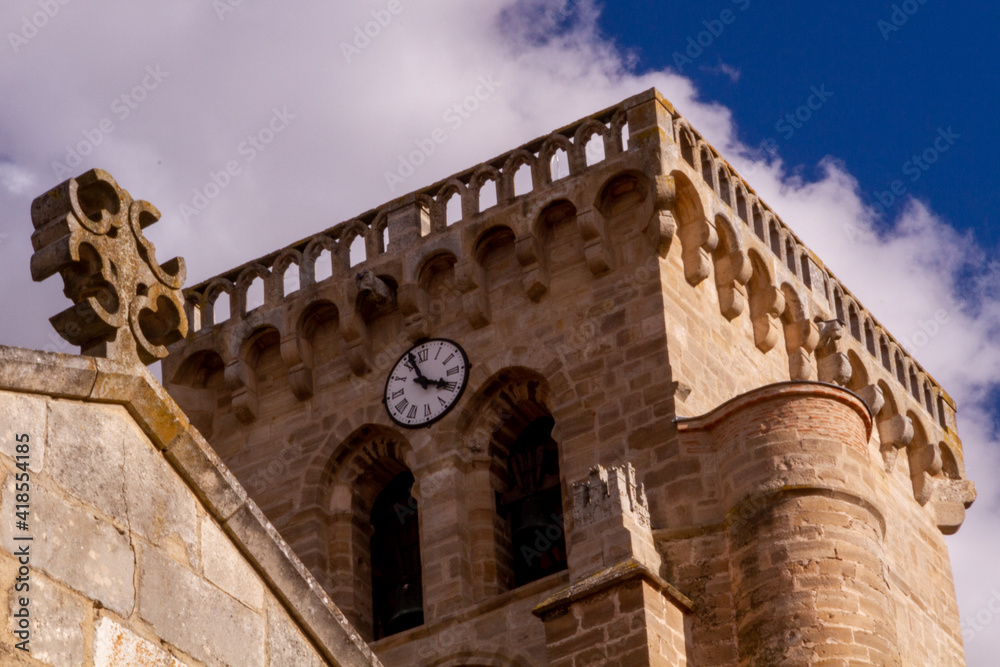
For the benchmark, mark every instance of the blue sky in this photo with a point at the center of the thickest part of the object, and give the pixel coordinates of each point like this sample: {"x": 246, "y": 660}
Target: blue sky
{"x": 164, "y": 95}
{"x": 894, "y": 84}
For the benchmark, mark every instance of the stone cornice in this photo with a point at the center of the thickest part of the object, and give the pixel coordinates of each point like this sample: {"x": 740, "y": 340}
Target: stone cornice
{"x": 100, "y": 380}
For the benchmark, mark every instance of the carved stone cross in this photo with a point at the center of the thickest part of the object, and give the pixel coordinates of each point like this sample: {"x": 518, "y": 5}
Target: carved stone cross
{"x": 126, "y": 306}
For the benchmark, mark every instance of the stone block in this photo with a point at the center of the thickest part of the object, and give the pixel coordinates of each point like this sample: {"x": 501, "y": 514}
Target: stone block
{"x": 161, "y": 508}
{"x": 226, "y": 567}
{"x": 20, "y": 414}
{"x": 71, "y": 545}
{"x": 286, "y": 646}
{"x": 86, "y": 453}
{"x": 117, "y": 646}
{"x": 199, "y": 619}
{"x": 58, "y": 619}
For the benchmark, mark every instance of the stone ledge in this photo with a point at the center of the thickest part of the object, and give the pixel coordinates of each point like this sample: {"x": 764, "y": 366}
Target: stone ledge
{"x": 774, "y": 391}
{"x": 87, "y": 379}
{"x": 612, "y": 576}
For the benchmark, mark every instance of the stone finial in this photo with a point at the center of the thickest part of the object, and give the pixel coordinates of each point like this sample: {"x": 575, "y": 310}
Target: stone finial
{"x": 608, "y": 493}
{"x": 126, "y": 306}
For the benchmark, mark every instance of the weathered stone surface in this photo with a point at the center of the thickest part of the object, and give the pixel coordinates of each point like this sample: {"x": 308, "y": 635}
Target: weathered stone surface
{"x": 86, "y": 553}
{"x": 226, "y": 567}
{"x": 23, "y": 414}
{"x": 208, "y": 477}
{"x": 286, "y": 647}
{"x": 60, "y": 375}
{"x": 57, "y": 622}
{"x": 86, "y": 444}
{"x": 117, "y": 646}
{"x": 161, "y": 508}
{"x": 199, "y": 619}
{"x": 126, "y": 305}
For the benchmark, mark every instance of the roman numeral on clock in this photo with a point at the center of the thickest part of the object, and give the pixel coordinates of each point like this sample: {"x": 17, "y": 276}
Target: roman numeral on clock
{"x": 401, "y": 406}
{"x": 412, "y": 413}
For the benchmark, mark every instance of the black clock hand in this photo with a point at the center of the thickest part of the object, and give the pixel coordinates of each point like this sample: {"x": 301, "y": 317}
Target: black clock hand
{"x": 420, "y": 379}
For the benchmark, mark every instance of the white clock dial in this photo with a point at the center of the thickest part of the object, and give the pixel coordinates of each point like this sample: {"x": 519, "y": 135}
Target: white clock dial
{"x": 426, "y": 382}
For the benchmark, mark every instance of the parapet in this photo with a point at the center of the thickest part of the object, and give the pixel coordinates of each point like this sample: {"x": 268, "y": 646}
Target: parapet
{"x": 637, "y": 163}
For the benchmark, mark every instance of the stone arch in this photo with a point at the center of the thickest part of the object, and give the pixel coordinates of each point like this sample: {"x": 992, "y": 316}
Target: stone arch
{"x": 687, "y": 143}
{"x": 553, "y": 144}
{"x": 870, "y": 344}
{"x": 247, "y": 278}
{"x": 378, "y": 235}
{"x": 584, "y": 135}
{"x": 349, "y": 232}
{"x": 885, "y": 353}
{"x": 854, "y": 321}
{"x": 559, "y": 243}
{"x": 707, "y": 165}
{"x": 725, "y": 185}
{"x": 859, "y": 375}
{"x": 741, "y": 203}
{"x": 282, "y": 264}
{"x": 216, "y": 288}
{"x": 509, "y": 411}
{"x": 698, "y": 236}
{"x": 928, "y": 397}
{"x": 838, "y": 304}
{"x": 758, "y": 222}
{"x": 453, "y": 187}
{"x": 258, "y": 343}
{"x": 732, "y": 269}
{"x": 314, "y": 248}
{"x": 791, "y": 255}
{"x": 357, "y": 471}
{"x": 621, "y": 192}
{"x": 201, "y": 373}
{"x": 484, "y": 174}
{"x": 774, "y": 235}
{"x": 316, "y": 326}
{"x": 514, "y": 161}
{"x": 617, "y": 139}
{"x": 950, "y": 464}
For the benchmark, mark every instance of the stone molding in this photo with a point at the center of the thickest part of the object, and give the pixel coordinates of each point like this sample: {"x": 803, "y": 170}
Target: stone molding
{"x": 92, "y": 379}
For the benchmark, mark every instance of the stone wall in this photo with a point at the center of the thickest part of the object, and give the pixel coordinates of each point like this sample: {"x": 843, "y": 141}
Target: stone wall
{"x": 646, "y": 287}
{"x": 130, "y": 561}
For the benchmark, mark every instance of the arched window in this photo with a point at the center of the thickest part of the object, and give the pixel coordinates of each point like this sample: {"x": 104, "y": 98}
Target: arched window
{"x": 397, "y": 596}
{"x": 531, "y": 504}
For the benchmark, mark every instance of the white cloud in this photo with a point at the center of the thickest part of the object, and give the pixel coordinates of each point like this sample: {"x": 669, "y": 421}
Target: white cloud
{"x": 356, "y": 114}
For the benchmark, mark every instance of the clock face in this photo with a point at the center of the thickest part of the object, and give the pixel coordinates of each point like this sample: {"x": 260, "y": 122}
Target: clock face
{"x": 426, "y": 382}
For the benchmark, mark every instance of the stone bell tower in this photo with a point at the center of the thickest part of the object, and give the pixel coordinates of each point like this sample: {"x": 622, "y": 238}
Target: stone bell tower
{"x": 677, "y": 439}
